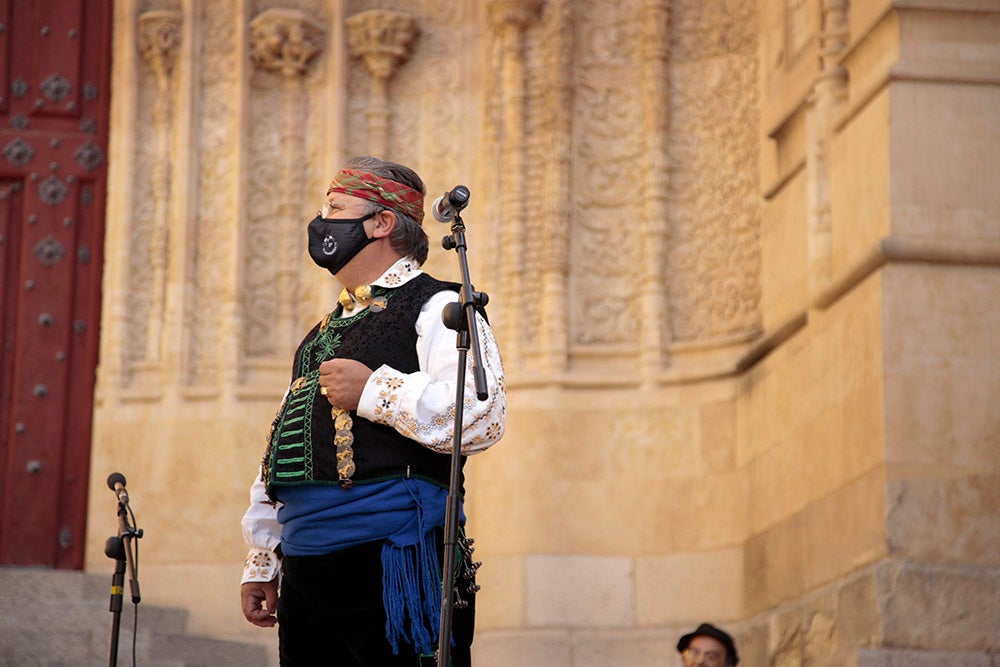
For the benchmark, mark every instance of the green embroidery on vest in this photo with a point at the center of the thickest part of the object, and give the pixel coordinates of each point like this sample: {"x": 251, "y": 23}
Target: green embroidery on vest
{"x": 291, "y": 431}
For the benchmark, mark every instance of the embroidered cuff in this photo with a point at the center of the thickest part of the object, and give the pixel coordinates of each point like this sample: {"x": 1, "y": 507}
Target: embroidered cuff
{"x": 260, "y": 565}
{"x": 386, "y": 383}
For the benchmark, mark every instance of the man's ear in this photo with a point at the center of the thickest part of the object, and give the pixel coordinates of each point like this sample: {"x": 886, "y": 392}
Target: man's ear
{"x": 385, "y": 222}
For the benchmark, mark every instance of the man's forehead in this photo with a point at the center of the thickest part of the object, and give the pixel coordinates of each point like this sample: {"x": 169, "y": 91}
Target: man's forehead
{"x": 341, "y": 199}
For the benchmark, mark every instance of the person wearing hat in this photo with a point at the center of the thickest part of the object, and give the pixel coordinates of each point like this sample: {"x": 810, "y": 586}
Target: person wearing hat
{"x": 707, "y": 646}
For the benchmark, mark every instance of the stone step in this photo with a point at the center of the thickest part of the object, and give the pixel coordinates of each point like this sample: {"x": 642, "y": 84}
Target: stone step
{"x": 61, "y": 618}
{"x": 194, "y": 651}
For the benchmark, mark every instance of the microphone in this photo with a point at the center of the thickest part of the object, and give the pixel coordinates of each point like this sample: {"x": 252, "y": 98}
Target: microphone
{"x": 116, "y": 482}
{"x": 447, "y": 205}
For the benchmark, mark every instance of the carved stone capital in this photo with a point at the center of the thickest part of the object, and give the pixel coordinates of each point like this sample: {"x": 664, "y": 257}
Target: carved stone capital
{"x": 519, "y": 13}
{"x": 382, "y": 38}
{"x": 160, "y": 39}
{"x": 285, "y": 40}
{"x": 655, "y": 19}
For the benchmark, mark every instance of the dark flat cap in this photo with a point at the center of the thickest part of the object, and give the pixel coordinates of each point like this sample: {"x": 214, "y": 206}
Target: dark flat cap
{"x": 709, "y": 630}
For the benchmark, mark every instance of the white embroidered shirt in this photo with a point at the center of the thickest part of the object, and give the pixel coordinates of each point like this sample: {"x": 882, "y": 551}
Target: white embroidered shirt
{"x": 418, "y": 405}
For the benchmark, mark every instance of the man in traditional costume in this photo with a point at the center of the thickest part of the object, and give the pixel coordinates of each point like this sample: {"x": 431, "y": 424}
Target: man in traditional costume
{"x": 351, "y": 498}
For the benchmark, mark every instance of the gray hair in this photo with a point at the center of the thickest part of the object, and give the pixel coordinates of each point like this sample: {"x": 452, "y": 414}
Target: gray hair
{"x": 409, "y": 237}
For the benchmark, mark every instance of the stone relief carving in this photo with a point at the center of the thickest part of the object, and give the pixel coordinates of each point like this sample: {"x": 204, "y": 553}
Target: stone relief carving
{"x": 632, "y": 182}
{"x": 714, "y": 255}
{"x": 383, "y": 40}
{"x": 702, "y": 30}
{"x": 509, "y": 20}
{"x": 285, "y": 40}
{"x": 609, "y": 140}
{"x": 282, "y": 41}
{"x": 138, "y": 297}
{"x": 554, "y": 124}
{"x": 260, "y": 296}
{"x": 209, "y": 315}
{"x": 159, "y": 39}
{"x": 427, "y": 96}
{"x": 673, "y": 225}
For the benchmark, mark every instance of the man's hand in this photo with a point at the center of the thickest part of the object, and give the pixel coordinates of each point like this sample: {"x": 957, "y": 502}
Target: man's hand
{"x": 343, "y": 380}
{"x": 260, "y": 602}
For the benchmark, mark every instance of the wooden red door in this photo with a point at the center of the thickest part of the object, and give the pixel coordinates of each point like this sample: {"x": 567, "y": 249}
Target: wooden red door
{"x": 55, "y": 58}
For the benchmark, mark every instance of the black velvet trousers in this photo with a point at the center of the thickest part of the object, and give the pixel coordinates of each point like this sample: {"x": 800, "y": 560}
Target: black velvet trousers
{"x": 330, "y": 612}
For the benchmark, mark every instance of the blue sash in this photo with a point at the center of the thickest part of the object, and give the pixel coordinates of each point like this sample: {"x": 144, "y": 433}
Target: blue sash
{"x": 402, "y": 513}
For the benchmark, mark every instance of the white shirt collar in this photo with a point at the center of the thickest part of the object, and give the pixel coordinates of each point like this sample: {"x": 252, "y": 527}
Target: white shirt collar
{"x": 400, "y": 273}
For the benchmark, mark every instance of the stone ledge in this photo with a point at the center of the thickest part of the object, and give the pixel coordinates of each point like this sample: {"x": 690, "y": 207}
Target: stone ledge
{"x": 888, "y": 657}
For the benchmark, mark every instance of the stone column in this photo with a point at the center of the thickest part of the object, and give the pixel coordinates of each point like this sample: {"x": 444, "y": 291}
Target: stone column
{"x": 383, "y": 40}
{"x": 510, "y": 19}
{"x": 158, "y": 41}
{"x": 555, "y": 219}
{"x": 654, "y": 277}
{"x": 285, "y": 41}
{"x": 828, "y": 94}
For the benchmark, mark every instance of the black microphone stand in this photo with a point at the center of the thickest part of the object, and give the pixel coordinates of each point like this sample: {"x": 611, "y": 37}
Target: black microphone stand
{"x": 461, "y": 317}
{"x": 120, "y": 549}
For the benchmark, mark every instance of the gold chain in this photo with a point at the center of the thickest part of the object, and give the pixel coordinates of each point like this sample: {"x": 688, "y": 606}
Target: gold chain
{"x": 344, "y": 439}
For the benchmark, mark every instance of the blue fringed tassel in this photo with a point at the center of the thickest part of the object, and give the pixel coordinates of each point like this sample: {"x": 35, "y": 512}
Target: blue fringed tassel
{"x": 411, "y": 593}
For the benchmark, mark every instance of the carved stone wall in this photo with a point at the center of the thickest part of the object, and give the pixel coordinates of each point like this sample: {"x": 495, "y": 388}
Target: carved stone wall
{"x": 217, "y": 86}
{"x": 284, "y": 95}
{"x": 725, "y": 288}
{"x": 159, "y": 35}
{"x": 714, "y": 254}
{"x": 633, "y": 236}
{"x": 608, "y": 147}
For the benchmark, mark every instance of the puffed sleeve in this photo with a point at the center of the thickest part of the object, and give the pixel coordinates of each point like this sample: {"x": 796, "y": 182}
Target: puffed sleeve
{"x": 421, "y": 405}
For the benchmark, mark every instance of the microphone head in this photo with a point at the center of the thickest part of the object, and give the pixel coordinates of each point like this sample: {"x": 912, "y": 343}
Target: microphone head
{"x": 446, "y": 215}
{"x": 115, "y": 478}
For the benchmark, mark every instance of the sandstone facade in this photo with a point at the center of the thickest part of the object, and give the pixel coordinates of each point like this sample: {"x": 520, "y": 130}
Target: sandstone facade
{"x": 743, "y": 261}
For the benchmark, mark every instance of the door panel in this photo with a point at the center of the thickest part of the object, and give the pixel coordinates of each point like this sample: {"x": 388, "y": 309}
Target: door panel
{"x": 55, "y": 73}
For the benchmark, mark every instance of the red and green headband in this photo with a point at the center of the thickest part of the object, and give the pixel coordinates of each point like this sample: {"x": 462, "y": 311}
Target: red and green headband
{"x": 388, "y": 193}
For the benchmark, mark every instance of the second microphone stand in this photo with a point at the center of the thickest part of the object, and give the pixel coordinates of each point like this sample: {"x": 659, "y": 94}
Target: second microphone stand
{"x": 120, "y": 548}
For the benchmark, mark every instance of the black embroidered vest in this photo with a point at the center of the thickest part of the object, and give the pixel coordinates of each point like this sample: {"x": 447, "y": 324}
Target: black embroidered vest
{"x": 301, "y": 447}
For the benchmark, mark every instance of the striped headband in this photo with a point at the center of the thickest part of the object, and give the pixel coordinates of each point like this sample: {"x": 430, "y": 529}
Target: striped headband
{"x": 388, "y": 193}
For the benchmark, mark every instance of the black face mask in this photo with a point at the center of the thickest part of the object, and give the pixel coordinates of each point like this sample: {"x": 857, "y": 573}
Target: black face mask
{"x": 333, "y": 242}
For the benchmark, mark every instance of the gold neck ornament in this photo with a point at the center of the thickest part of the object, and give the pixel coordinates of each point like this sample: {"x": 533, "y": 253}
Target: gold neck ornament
{"x": 359, "y": 298}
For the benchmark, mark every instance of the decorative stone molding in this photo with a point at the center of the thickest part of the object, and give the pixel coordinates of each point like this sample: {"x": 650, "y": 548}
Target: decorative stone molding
{"x": 608, "y": 190}
{"x": 828, "y": 94}
{"x": 285, "y": 40}
{"x": 517, "y": 13}
{"x": 654, "y": 50}
{"x": 383, "y": 40}
{"x": 555, "y": 189}
{"x": 159, "y": 39}
{"x": 510, "y": 19}
{"x": 713, "y": 254}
